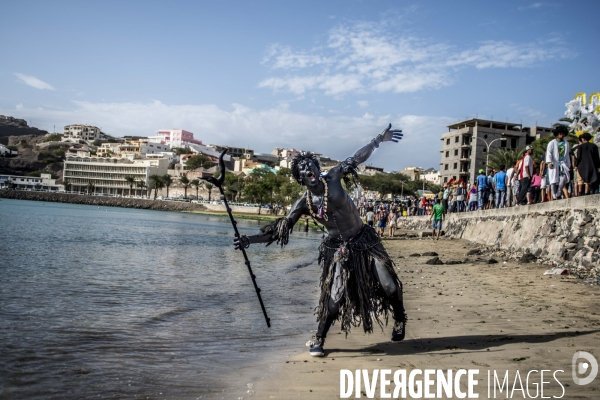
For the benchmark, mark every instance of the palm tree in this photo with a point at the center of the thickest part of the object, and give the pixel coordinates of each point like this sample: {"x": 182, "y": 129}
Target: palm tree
{"x": 91, "y": 187}
{"x": 67, "y": 185}
{"x": 186, "y": 183}
{"x": 506, "y": 157}
{"x": 131, "y": 181}
{"x": 209, "y": 187}
{"x": 140, "y": 184}
{"x": 196, "y": 183}
{"x": 155, "y": 183}
{"x": 167, "y": 181}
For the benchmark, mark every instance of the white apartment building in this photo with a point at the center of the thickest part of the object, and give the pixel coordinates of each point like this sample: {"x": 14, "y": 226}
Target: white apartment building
{"x": 431, "y": 175}
{"x": 108, "y": 174}
{"x": 77, "y": 132}
{"x": 43, "y": 182}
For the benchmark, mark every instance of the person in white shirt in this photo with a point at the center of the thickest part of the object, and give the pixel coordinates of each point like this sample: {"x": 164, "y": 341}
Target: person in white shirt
{"x": 509, "y": 186}
{"x": 558, "y": 159}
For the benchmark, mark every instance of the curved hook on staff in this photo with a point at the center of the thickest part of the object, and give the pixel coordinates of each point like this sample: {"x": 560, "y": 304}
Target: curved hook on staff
{"x": 218, "y": 182}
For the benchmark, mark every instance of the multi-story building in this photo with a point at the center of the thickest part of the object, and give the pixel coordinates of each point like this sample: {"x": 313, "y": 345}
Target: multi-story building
{"x": 107, "y": 175}
{"x": 466, "y": 145}
{"x": 142, "y": 147}
{"x": 78, "y": 132}
{"x": 174, "y": 137}
{"x": 43, "y": 182}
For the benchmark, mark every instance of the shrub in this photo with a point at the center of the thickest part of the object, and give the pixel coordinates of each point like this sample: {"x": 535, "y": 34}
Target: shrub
{"x": 55, "y": 137}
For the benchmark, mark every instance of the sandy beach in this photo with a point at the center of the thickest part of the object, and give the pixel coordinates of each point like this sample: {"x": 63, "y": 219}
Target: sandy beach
{"x": 497, "y": 317}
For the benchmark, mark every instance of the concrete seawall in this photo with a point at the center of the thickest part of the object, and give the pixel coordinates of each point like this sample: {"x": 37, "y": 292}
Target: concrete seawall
{"x": 567, "y": 231}
{"x": 101, "y": 201}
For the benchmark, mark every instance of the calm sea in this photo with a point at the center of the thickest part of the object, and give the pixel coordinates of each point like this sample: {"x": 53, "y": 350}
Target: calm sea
{"x": 122, "y": 303}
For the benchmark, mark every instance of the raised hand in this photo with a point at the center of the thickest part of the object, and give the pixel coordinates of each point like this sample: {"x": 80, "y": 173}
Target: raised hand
{"x": 391, "y": 135}
{"x": 241, "y": 242}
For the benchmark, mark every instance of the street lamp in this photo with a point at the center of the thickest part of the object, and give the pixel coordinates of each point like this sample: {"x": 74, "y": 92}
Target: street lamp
{"x": 487, "y": 157}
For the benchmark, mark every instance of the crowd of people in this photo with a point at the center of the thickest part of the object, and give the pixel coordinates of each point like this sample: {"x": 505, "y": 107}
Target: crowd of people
{"x": 560, "y": 173}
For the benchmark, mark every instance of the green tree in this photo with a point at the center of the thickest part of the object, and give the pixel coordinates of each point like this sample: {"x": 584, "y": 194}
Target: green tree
{"x": 156, "y": 183}
{"x": 55, "y": 137}
{"x": 141, "y": 185}
{"x": 183, "y": 150}
{"x": 198, "y": 161}
{"x": 197, "y": 184}
{"x": 209, "y": 187}
{"x": 167, "y": 181}
{"x": 506, "y": 157}
{"x": 67, "y": 184}
{"x": 91, "y": 188}
{"x": 185, "y": 182}
{"x": 131, "y": 181}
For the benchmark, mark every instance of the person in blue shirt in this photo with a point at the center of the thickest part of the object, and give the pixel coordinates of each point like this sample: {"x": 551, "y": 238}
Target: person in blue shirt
{"x": 500, "y": 184}
{"x": 482, "y": 189}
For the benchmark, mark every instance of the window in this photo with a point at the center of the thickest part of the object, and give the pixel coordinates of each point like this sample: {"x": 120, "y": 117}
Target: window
{"x": 447, "y": 141}
{"x": 456, "y": 139}
{"x": 513, "y": 143}
{"x": 447, "y": 154}
{"x": 456, "y": 152}
{"x": 484, "y": 150}
{"x": 445, "y": 179}
{"x": 503, "y": 143}
{"x": 455, "y": 165}
{"x": 446, "y": 167}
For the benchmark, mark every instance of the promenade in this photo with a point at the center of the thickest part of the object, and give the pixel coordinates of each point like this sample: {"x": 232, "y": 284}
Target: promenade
{"x": 490, "y": 317}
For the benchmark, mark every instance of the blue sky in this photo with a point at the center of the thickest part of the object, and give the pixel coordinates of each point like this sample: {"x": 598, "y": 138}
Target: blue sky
{"x": 320, "y": 76}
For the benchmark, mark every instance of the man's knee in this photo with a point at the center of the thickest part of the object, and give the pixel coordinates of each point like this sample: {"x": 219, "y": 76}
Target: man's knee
{"x": 385, "y": 279}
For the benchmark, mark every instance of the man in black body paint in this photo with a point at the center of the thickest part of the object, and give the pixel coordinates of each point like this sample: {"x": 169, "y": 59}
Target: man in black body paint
{"x": 358, "y": 281}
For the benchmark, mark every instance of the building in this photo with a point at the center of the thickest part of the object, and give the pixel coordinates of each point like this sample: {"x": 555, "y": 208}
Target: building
{"x": 140, "y": 147}
{"x": 43, "y": 182}
{"x": 431, "y": 175}
{"x": 413, "y": 173}
{"x": 78, "y": 132}
{"x": 465, "y": 146}
{"x": 174, "y": 137}
{"x": 232, "y": 151}
{"x": 107, "y": 175}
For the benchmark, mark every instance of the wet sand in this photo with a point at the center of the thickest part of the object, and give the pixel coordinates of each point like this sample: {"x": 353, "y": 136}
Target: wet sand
{"x": 491, "y": 317}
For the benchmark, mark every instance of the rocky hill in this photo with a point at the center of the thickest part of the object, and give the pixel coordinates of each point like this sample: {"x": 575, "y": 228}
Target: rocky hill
{"x": 10, "y": 126}
{"x": 35, "y": 156}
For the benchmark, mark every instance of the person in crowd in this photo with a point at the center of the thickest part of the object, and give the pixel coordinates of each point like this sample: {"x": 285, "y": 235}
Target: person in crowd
{"x": 382, "y": 217}
{"x": 452, "y": 198}
{"x": 392, "y": 221}
{"x": 424, "y": 205}
{"x": 473, "y": 201}
{"x": 535, "y": 188}
{"x": 559, "y": 162}
{"x": 587, "y": 163}
{"x": 437, "y": 216}
{"x": 460, "y": 197}
{"x": 515, "y": 183}
{"x": 491, "y": 191}
{"x": 500, "y": 185}
{"x": 445, "y": 196}
{"x": 370, "y": 216}
{"x": 509, "y": 186}
{"x": 525, "y": 175}
{"x": 482, "y": 189}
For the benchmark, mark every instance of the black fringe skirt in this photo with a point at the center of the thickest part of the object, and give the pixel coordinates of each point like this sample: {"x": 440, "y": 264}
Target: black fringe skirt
{"x": 362, "y": 298}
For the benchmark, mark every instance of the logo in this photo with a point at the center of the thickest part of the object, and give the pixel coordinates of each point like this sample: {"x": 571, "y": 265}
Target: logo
{"x": 582, "y": 367}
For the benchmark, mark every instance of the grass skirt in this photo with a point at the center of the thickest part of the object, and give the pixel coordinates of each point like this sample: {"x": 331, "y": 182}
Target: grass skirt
{"x": 362, "y": 298}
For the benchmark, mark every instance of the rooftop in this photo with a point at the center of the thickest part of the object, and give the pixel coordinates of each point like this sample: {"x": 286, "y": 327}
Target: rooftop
{"x": 487, "y": 123}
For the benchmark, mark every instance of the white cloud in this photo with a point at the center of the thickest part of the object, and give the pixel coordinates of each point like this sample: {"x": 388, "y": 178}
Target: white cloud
{"x": 363, "y": 103}
{"x": 335, "y": 135}
{"x": 33, "y": 82}
{"x": 363, "y": 57}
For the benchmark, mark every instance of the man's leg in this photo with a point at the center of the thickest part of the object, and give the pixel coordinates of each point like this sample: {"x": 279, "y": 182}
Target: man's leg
{"x": 480, "y": 199}
{"x": 333, "y": 310}
{"x": 394, "y": 294}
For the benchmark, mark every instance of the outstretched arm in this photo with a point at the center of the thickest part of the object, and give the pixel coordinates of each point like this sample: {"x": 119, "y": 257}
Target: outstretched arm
{"x": 276, "y": 231}
{"x": 363, "y": 154}
{"x": 388, "y": 135}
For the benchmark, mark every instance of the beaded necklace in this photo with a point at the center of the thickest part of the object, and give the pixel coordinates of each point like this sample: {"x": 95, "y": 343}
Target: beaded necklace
{"x": 322, "y": 209}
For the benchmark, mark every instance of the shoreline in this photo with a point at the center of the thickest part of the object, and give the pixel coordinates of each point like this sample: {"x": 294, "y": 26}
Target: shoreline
{"x": 500, "y": 317}
{"x": 143, "y": 204}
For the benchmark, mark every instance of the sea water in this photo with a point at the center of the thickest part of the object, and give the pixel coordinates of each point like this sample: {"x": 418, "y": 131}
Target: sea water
{"x": 124, "y": 303}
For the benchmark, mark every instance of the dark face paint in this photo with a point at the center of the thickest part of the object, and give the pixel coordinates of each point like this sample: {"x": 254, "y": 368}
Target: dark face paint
{"x": 309, "y": 173}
